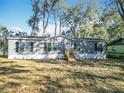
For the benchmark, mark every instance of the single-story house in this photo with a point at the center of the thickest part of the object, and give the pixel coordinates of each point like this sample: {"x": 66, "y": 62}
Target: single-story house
{"x": 116, "y": 48}
{"x": 34, "y": 47}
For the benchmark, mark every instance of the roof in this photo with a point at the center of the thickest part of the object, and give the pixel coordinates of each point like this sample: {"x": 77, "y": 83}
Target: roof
{"x": 88, "y": 39}
{"x": 119, "y": 41}
{"x": 62, "y": 37}
{"x": 26, "y": 37}
{"x": 43, "y": 37}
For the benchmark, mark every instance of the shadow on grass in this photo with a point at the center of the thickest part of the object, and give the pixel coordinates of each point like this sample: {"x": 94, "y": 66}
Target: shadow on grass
{"x": 13, "y": 84}
{"x": 91, "y": 63}
{"x": 85, "y": 75}
{"x": 17, "y": 66}
{"x": 2, "y": 88}
{"x": 93, "y": 82}
{"x": 65, "y": 62}
{"x": 10, "y": 85}
{"x": 113, "y": 63}
{"x": 51, "y": 86}
{"x": 7, "y": 62}
{"x": 55, "y": 85}
{"x": 3, "y": 56}
{"x": 10, "y": 70}
{"x": 114, "y": 90}
{"x": 56, "y": 69}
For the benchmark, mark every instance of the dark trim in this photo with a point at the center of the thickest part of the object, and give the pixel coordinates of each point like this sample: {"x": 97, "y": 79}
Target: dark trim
{"x": 54, "y": 37}
{"x": 17, "y": 46}
{"x": 116, "y": 42}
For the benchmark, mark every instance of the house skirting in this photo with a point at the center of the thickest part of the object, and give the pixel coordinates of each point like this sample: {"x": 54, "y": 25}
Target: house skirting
{"x": 45, "y": 56}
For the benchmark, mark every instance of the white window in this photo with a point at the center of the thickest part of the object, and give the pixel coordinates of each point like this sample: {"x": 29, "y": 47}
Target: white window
{"x": 24, "y": 46}
{"x": 29, "y": 46}
{"x": 52, "y": 46}
{"x": 55, "y": 46}
{"x": 49, "y": 47}
{"x": 21, "y": 46}
{"x": 113, "y": 49}
{"x": 98, "y": 47}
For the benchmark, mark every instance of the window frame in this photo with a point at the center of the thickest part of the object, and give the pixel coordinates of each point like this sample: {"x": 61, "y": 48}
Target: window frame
{"x": 52, "y": 47}
{"x": 98, "y": 47}
{"x": 24, "y": 47}
{"x": 55, "y": 46}
{"x": 29, "y": 46}
{"x": 21, "y": 47}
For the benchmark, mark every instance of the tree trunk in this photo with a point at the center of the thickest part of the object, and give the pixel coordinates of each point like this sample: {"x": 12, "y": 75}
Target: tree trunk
{"x": 73, "y": 31}
{"x": 120, "y": 8}
{"x": 54, "y": 14}
{"x": 45, "y": 24}
{"x": 60, "y": 27}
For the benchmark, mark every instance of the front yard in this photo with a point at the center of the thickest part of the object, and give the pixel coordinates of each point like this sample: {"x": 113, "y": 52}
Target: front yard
{"x": 88, "y": 76}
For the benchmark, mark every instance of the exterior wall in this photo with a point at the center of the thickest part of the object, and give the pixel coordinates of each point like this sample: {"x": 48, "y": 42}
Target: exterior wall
{"x": 91, "y": 56}
{"x": 116, "y": 48}
{"x": 38, "y": 51}
{"x": 115, "y": 51}
{"x": 122, "y": 41}
{"x": 87, "y": 50}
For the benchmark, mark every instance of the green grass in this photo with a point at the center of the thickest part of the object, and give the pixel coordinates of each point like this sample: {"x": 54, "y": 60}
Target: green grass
{"x": 35, "y": 76}
{"x": 3, "y": 56}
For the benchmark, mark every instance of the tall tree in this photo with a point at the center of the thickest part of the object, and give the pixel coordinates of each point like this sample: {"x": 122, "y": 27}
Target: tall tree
{"x": 82, "y": 18}
{"x": 112, "y": 21}
{"x": 34, "y": 19}
{"x": 119, "y": 6}
{"x": 57, "y": 15}
{"x": 3, "y": 38}
{"x": 50, "y": 7}
{"x": 73, "y": 17}
{"x": 42, "y": 12}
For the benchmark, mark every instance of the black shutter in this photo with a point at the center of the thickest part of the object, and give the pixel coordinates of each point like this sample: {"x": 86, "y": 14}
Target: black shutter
{"x": 95, "y": 46}
{"x": 45, "y": 47}
{"x": 101, "y": 47}
{"x": 32, "y": 46}
{"x": 75, "y": 46}
{"x": 17, "y": 46}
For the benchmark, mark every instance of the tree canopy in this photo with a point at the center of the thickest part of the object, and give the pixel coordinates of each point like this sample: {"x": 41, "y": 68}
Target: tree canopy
{"x": 82, "y": 19}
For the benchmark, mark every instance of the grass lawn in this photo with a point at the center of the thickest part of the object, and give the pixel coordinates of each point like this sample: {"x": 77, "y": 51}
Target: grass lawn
{"x": 88, "y": 76}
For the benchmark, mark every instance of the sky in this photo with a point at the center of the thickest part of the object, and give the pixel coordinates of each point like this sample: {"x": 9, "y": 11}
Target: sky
{"x": 14, "y": 14}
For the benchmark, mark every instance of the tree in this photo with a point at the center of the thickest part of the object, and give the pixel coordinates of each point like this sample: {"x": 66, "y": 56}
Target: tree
{"x": 81, "y": 18}
{"x": 57, "y": 12}
{"x": 50, "y": 7}
{"x": 73, "y": 17}
{"x": 116, "y": 30}
{"x": 120, "y": 7}
{"x": 3, "y": 38}
{"x": 42, "y": 11}
{"x": 34, "y": 20}
{"x": 113, "y": 23}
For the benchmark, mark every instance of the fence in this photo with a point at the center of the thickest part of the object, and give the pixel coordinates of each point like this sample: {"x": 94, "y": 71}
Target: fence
{"x": 115, "y": 55}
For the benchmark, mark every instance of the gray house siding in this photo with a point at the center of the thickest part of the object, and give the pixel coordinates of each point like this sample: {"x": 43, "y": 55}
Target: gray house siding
{"x": 38, "y": 49}
{"x": 85, "y": 48}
